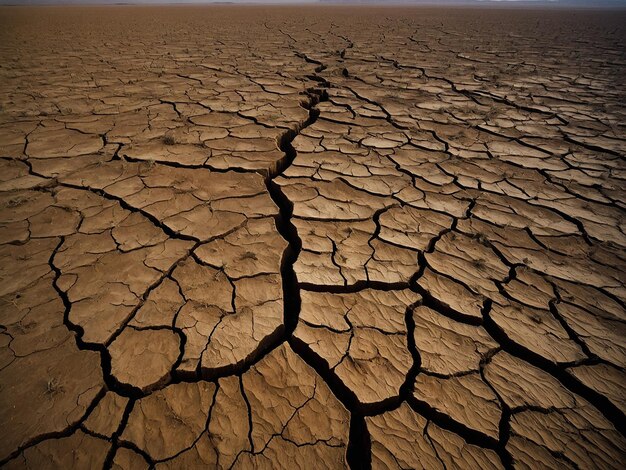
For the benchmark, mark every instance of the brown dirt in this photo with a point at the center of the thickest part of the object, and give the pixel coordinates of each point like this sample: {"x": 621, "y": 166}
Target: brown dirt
{"x": 245, "y": 237}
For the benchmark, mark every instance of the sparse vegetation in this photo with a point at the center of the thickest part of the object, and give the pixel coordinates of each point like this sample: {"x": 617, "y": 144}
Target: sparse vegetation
{"x": 53, "y": 386}
{"x": 479, "y": 263}
{"x": 149, "y": 164}
{"x": 16, "y": 201}
{"x": 536, "y": 318}
{"x": 481, "y": 238}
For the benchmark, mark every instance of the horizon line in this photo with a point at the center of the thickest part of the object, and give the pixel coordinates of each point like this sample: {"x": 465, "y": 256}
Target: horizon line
{"x": 579, "y": 4}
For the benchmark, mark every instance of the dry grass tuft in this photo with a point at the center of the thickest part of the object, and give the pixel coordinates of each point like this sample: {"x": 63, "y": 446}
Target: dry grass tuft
{"x": 53, "y": 386}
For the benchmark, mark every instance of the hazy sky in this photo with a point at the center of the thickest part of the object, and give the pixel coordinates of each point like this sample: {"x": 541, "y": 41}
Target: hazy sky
{"x": 604, "y": 3}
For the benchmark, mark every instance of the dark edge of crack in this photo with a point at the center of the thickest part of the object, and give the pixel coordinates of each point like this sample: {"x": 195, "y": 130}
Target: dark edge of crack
{"x": 284, "y": 225}
{"x": 610, "y": 411}
{"x": 68, "y": 431}
{"x": 358, "y": 451}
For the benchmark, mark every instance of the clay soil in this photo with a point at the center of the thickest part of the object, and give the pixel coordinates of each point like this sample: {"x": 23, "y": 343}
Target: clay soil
{"x": 321, "y": 237}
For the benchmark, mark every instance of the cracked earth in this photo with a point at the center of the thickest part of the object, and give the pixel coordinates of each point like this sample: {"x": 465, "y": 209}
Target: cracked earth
{"x": 312, "y": 238}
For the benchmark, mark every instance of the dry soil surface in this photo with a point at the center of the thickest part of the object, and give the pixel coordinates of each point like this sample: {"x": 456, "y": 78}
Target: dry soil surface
{"x": 312, "y": 238}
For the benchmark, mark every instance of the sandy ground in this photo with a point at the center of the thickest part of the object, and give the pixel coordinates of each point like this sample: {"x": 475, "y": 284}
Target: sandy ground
{"x": 312, "y": 238}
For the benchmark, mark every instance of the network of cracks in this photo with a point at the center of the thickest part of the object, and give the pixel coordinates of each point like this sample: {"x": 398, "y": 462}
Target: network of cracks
{"x": 311, "y": 238}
